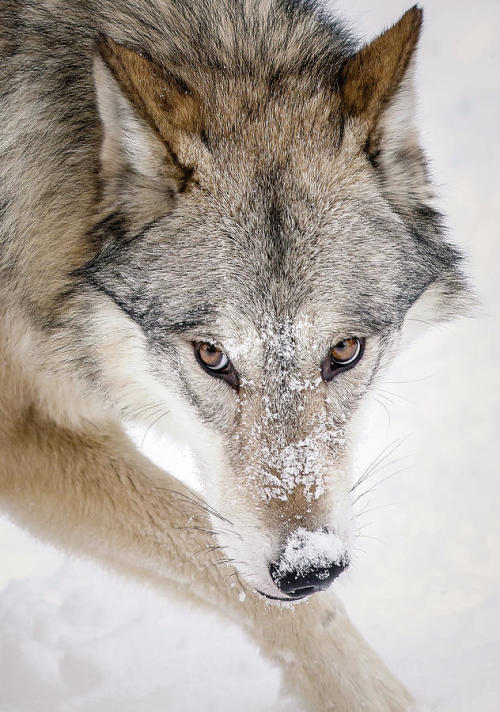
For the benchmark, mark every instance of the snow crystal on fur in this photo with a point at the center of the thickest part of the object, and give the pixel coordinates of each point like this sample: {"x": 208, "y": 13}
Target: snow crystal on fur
{"x": 306, "y": 550}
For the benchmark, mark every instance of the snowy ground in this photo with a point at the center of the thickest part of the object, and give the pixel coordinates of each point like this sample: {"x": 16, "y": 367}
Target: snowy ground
{"x": 427, "y": 594}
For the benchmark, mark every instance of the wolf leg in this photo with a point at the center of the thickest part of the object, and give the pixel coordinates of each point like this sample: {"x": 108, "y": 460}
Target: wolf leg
{"x": 96, "y": 494}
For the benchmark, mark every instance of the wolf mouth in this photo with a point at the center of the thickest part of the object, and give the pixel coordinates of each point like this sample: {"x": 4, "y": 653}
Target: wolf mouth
{"x": 279, "y": 598}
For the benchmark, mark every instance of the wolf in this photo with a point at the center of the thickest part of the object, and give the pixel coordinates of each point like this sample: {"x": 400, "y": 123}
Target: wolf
{"x": 215, "y": 219}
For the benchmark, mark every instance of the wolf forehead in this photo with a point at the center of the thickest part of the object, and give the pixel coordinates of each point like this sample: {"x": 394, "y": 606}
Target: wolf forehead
{"x": 263, "y": 248}
{"x": 360, "y": 270}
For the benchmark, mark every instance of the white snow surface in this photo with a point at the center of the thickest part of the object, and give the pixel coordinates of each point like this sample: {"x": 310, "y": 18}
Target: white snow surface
{"x": 425, "y": 590}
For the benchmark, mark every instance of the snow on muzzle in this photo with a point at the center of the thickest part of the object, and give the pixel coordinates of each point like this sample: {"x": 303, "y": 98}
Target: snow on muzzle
{"x": 308, "y": 563}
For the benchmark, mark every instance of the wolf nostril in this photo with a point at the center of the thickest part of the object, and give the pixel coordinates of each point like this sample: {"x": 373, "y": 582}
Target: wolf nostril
{"x": 301, "y": 583}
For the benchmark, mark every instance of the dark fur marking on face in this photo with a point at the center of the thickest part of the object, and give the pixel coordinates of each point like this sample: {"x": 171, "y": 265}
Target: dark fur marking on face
{"x": 205, "y": 139}
{"x": 4, "y": 206}
{"x": 130, "y": 312}
{"x": 112, "y": 227}
{"x": 274, "y": 232}
{"x": 373, "y": 154}
{"x": 428, "y": 213}
{"x": 438, "y": 255}
{"x": 198, "y": 317}
{"x": 110, "y": 234}
{"x": 192, "y": 396}
{"x": 149, "y": 314}
{"x": 187, "y": 179}
{"x": 426, "y": 225}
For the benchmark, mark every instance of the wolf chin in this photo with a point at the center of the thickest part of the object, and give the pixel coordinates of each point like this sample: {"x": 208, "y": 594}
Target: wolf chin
{"x": 215, "y": 218}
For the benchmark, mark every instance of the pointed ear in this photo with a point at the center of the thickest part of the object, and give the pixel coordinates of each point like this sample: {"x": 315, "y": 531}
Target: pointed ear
{"x": 145, "y": 113}
{"x": 378, "y": 91}
{"x": 371, "y": 77}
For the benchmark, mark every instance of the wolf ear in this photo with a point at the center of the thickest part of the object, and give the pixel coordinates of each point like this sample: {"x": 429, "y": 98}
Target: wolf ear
{"x": 145, "y": 114}
{"x": 377, "y": 91}
{"x": 372, "y": 76}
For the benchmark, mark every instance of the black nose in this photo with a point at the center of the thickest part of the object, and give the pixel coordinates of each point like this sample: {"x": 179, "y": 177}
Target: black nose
{"x": 298, "y": 584}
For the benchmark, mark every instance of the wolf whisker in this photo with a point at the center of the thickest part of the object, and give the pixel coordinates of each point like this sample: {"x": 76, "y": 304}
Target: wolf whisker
{"x": 137, "y": 411}
{"x": 362, "y": 527}
{"x": 213, "y": 531}
{"x": 412, "y": 380}
{"x": 202, "y": 501}
{"x": 203, "y": 505}
{"x": 160, "y": 417}
{"x": 227, "y": 531}
{"x": 375, "y": 465}
{"x": 385, "y": 397}
{"x": 439, "y": 327}
{"x": 382, "y": 391}
{"x": 226, "y": 561}
{"x": 207, "y": 549}
{"x": 383, "y": 405}
{"x": 374, "y": 509}
{"x": 383, "y": 455}
{"x": 383, "y": 479}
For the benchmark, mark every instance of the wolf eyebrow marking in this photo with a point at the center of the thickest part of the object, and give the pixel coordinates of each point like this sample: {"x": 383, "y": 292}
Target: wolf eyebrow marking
{"x": 198, "y": 316}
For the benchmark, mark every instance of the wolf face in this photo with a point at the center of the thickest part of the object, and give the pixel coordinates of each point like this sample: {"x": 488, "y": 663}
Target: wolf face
{"x": 262, "y": 237}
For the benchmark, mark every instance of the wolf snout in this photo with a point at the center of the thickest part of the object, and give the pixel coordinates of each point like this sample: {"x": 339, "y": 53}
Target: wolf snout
{"x": 308, "y": 563}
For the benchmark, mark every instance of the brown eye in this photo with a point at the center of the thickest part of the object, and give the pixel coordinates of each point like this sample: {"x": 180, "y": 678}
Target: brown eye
{"x": 346, "y": 351}
{"x": 211, "y": 357}
{"x": 344, "y": 355}
{"x": 215, "y": 362}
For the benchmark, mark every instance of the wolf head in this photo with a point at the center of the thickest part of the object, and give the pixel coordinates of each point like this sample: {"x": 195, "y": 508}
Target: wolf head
{"x": 264, "y": 236}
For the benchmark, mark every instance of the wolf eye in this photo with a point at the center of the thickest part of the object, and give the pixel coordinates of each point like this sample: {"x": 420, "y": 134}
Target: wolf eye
{"x": 344, "y": 355}
{"x": 346, "y": 351}
{"x": 215, "y": 362}
{"x": 211, "y": 357}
